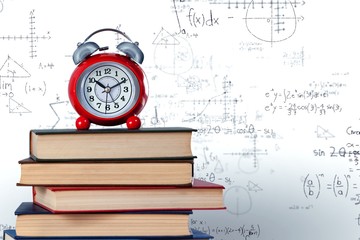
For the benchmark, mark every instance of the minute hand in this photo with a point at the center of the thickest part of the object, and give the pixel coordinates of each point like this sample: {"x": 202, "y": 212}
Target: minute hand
{"x": 117, "y": 84}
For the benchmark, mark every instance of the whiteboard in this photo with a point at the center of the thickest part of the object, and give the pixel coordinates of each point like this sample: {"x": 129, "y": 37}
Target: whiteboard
{"x": 271, "y": 86}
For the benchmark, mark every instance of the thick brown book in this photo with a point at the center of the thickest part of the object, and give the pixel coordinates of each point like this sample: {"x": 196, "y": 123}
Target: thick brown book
{"x": 35, "y": 221}
{"x": 71, "y": 144}
{"x": 201, "y": 195}
{"x": 100, "y": 173}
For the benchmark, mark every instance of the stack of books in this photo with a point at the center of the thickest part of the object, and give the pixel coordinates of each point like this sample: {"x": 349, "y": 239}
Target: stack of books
{"x": 112, "y": 184}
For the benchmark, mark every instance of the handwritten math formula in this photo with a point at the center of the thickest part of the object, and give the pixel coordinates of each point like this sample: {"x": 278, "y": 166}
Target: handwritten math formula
{"x": 293, "y": 102}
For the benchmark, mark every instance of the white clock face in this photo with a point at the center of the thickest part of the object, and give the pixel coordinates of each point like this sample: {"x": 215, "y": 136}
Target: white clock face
{"x": 107, "y": 89}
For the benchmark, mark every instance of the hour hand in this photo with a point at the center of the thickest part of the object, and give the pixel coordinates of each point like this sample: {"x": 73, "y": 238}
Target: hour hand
{"x": 100, "y": 84}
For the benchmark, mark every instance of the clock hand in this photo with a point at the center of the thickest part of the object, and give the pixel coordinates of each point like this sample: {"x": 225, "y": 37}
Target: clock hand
{"x": 113, "y": 100}
{"x": 108, "y": 93}
{"x": 106, "y": 101}
{"x": 100, "y": 84}
{"x": 123, "y": 81}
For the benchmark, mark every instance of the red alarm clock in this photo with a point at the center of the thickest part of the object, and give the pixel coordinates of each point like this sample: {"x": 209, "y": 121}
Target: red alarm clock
{"x": 108, "y": 88}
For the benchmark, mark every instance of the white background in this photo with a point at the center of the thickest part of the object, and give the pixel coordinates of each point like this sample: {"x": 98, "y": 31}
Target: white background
{"x": 271, "y": 86}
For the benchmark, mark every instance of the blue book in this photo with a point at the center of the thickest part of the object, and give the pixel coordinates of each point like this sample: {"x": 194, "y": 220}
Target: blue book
{"x": 35, "y": 221}
{"x": 195, "y": 234}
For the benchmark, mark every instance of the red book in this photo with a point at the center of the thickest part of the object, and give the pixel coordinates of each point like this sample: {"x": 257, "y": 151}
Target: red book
{"x": 201, "y": 195}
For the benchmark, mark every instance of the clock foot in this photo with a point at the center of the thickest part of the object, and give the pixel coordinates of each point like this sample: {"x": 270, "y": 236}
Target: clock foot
{"x": 133, "y": 123}
{"x": 82, "y": 123}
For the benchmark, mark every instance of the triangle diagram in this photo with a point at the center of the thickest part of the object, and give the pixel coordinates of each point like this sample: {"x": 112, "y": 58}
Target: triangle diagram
{"x": 323, "y": 133}
{"x": 15, "y": 107}
{"x": 253, "y": 186}
{"x": 165, "y": 38}
{"x": 12, "y": 69}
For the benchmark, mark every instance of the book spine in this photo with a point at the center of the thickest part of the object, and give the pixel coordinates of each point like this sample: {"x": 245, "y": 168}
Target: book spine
{"x": 33, "y": 193}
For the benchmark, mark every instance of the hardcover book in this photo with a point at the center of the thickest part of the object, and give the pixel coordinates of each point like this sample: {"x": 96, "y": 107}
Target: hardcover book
{"x": 70, "y": 144}
{"x": 195, "y": 234}
{"x": 172, "y": 172}
{"x": 200, "y": 195}
{"x": 35, "y": 221}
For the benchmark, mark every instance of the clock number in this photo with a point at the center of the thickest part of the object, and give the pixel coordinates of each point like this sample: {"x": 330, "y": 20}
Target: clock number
{"x": 107, "y": 70}
{"x": 107, "y": 90}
